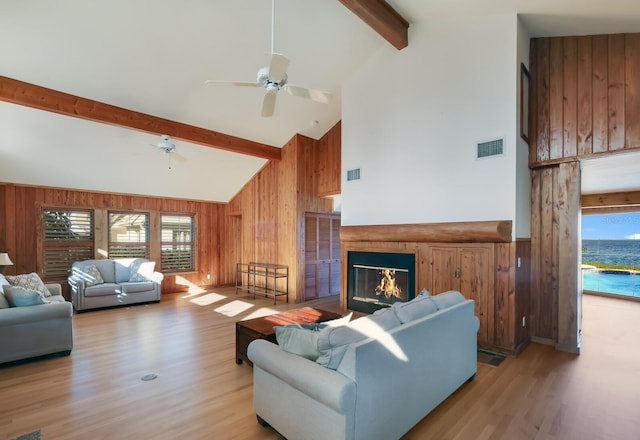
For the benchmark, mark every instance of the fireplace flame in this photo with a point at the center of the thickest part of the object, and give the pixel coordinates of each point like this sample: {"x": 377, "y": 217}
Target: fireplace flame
{"x": 388, "y": 284}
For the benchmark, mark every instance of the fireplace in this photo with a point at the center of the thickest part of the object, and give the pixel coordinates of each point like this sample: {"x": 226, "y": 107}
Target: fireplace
{"x": 376, "y": 280}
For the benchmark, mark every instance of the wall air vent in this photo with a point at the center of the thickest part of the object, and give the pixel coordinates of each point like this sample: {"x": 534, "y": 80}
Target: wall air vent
{"x": 353, "y": 174}
{"x": 490, "y": 148}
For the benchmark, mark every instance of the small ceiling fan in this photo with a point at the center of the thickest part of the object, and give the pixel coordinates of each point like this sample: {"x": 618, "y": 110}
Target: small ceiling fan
{"x": 165, "y": 146}
{"x": 273, "y": 78}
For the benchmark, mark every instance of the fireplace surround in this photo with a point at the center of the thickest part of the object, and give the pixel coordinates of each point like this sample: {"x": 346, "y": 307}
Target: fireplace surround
{"x": 376, "y": 280}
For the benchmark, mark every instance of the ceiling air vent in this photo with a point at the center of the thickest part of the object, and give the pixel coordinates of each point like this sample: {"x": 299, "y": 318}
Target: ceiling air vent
{"x": 353, "y": 174}
{"x": 490, "y": 148}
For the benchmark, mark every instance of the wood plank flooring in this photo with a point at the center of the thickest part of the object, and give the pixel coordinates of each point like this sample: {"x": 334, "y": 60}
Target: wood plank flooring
{"x": 200, "y": 393}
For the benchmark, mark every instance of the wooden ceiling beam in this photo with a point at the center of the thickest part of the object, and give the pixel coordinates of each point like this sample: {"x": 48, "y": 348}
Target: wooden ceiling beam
{"x": 34, "y": 96}
{"x": 383, "y": 19}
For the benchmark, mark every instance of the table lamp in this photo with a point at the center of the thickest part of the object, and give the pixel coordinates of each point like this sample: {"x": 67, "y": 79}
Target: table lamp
{"x": 4, "y": 261}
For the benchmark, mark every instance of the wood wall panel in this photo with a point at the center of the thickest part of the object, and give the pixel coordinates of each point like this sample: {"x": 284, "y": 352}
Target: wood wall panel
{"x": 330, "y": 162}
{"x": 632, "y": 92}
{"x": 22, "y": 213}
{"x": 504, "y": 307}
{"x": 570, "y": 97}
{"x": 272, "y": 207}
{"x": 600, "y": 93}
{"x": 523, "y": 297}
{"x": 569, "y": 273}
{"x": 584, "y": 97}
{"x": 556, "y": 98}
{"x": 584, "y": 90}
{"x": 554, "y": 255}
{"x": 616, "y": 92}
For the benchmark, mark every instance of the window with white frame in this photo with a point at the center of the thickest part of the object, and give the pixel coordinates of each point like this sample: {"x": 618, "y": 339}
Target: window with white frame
{"x": 68, "y": 237}
{"x": 176, "y": 242}
{"x": 128, "y": 235}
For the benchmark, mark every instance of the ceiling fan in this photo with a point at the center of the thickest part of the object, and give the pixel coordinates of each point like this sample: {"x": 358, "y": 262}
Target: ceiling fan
{"x": 273, "y": 78}
{"x": 165, "y": 146}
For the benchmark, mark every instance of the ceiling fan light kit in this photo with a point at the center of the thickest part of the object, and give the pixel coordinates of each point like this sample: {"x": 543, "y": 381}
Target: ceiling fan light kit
{"x": 273, "y": 78}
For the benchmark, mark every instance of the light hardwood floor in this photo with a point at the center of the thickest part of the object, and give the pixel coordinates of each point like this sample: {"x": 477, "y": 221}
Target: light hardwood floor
{"x": 200, "y": 393}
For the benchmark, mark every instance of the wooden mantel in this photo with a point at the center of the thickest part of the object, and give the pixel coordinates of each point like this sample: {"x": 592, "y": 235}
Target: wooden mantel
{"x": 456, "y": 232}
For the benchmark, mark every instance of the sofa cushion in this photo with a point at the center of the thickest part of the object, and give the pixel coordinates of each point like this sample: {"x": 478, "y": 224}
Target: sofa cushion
{"x": 91, "y": 275}
{"x": 142, "y": 270}
{"x": 298, "y": 340}
{"x": 20, "y": 297}
{"x": 134, "y": 287}
{"x": 4, "y": 304}
{"x": 103, "y": 289}
{"x": 416, "y": 308}
{"x": 448, "y": 299}
{"x": 3, "y": 280}
{"x": 302, "y": 339}
{"x": 333, "y": 341}
{"x": 107, "y": 269}
{"x": 29, "y": 281}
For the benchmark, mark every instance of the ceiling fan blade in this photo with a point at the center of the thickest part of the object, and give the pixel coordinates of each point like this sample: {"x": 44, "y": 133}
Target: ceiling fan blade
{"x": 315, "y": 95}
{"x": 211, "y": 82}
{"x": 178, "y": 157}
{"x": 278, "y": 66}
{"x": 268, "y": 104}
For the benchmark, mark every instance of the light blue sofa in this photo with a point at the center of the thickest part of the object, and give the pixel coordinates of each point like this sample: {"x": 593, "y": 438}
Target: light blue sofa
{"x": 38, "y": 330}
{"x": 118, "y": 282}
{"x": 417, "y": 354}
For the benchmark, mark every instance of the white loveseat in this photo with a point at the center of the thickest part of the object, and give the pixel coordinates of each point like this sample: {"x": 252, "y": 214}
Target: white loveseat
{"x": 116, "y": 282}
{"x": 384, "y": 373}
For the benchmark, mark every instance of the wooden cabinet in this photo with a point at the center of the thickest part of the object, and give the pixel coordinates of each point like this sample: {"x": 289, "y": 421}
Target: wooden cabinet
{"x": 469, "y": 269}
{"x": 322, "y": 255}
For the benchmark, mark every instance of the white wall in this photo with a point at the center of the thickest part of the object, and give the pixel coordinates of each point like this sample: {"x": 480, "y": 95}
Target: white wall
{"x": 412, "y": 118}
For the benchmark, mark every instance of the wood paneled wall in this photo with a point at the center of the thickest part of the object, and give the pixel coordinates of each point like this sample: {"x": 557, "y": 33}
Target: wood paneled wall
{"x": 330, "y": 163}
{"x": 585, "y": 102}
{"x": 22, "y": 208}
{"x": 555, "y": 278}
{"x": 585, "y": 96}
{"x": 264, "y": 222}
{"x": 269, "y": 211}
{"x": 510, "y": 300}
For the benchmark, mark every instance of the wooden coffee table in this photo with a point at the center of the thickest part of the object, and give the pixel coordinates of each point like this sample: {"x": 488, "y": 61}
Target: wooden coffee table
{"x": 262, "y": 328}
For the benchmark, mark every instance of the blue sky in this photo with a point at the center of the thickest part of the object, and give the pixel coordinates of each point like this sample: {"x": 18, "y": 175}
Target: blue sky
{"x": 612, "y": 226}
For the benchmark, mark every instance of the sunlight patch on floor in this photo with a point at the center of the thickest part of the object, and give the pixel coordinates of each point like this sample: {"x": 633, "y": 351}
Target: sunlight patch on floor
{"x": 263, "y": 311}
{"x": 208, "y": 299}
{"x": 233, "y": 308}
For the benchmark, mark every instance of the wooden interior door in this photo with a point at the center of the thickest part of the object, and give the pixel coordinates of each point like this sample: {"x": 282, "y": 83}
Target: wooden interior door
{"x": 322, "y": 255}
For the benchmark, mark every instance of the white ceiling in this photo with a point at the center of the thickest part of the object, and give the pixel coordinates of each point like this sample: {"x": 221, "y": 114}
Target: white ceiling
{"x": 153, "y": 56}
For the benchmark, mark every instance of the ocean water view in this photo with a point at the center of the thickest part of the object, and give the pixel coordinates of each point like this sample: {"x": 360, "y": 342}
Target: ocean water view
{"x": 614, "y": 254}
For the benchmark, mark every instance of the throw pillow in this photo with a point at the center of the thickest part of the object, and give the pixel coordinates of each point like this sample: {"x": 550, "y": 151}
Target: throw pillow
{"x": 3, "y": 301}
{"x": 414, "y": 309}
{"x": 298, "y": 340}
{"x": 19, "y": 297}
{"x": 334, "y": 341}
{"x": 91, "y": 275}
{"x": 142, "y": 270}
{"x": 29, "y": 281}
{"x": 302, "y": 339}
{"x": 3, "y": 280}
{"x": 448, "y": 299}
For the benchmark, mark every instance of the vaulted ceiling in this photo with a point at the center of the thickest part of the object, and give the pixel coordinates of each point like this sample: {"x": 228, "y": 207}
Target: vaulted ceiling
{"x": 152, "y": 57}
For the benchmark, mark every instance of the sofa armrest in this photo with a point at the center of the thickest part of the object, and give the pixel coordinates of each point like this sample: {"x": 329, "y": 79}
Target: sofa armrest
{"x": 54, "y": 288}
{"x": 327, "y": 386}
